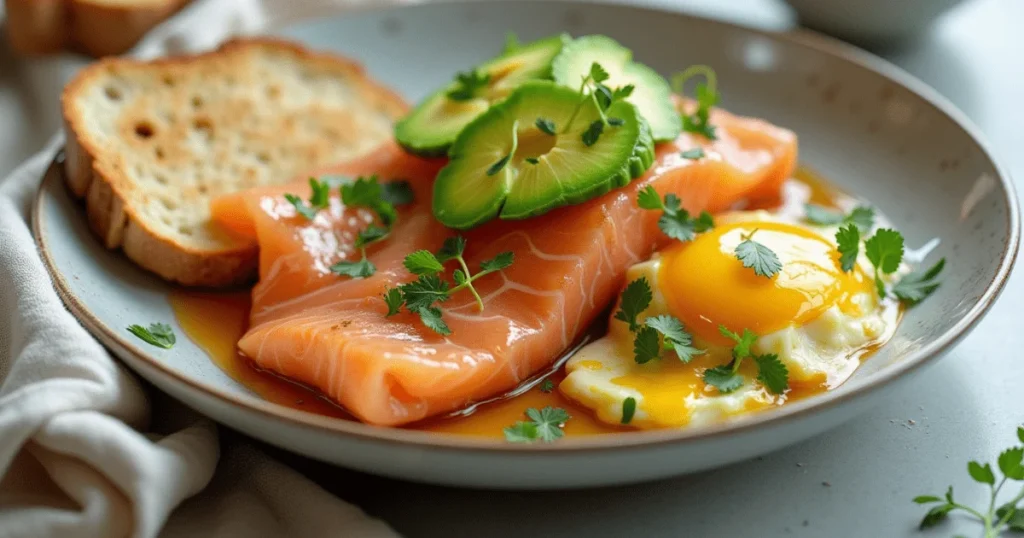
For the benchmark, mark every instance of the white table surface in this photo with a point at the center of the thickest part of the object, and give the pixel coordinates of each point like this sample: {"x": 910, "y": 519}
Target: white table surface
{"x": 856, "y": 481}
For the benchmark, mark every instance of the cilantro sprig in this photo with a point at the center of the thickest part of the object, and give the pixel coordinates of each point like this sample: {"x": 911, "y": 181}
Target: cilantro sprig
{"x": 424, "y": 295}
{"x": 848, "y": 241}
{"x": 916, "y": 286}
{"x": 885, "y": 252}
{"x": 675, "y": 221}
{"x": 996, "y": 517}
{"x": 157, "y": 334}
{"x": 468, "y": 85}
{"x": 771, "y": 371}
{"x": 319, "y": 199}
{"x": 656, "y": 334}
{"x": 757, "y": 256}
{"x": 863, "y": 217}
{"x": 593, "y": 88}
{"x": 543, "y": 425}
{"x": 381, "y": 199}
{"x": 707, "y": 96}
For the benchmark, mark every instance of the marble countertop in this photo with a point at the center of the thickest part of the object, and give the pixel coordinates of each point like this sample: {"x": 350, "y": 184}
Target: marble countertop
{"x": 856, "y": 481}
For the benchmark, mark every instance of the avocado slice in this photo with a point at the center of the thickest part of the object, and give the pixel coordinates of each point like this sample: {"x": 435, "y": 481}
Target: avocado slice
{"x": 492, "y": 173}
{"x": 652, "y": 94}
{"x": 432, "y": 126}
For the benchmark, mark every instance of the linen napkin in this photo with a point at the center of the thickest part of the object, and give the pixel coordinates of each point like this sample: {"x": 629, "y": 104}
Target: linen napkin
{"x": 84, "y": 449}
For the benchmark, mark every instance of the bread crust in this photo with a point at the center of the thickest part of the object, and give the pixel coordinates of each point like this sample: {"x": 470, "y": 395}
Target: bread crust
{"x": 96, "y": 27}
{"x": 94, "y": 176}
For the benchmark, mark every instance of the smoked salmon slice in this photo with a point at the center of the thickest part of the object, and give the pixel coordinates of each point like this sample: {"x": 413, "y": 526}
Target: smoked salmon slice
{"x": 331, "y": 332}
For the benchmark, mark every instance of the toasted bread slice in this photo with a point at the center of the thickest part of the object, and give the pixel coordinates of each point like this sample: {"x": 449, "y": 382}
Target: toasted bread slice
{"x": 97, "y": 27}
{"x": 149, "y": 144}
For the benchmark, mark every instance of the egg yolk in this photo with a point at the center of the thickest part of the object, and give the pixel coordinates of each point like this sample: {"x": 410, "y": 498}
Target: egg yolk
{"x": 706, "y": 285}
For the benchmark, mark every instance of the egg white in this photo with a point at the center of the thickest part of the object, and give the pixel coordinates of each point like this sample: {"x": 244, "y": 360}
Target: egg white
{"x": 822, "y": 352}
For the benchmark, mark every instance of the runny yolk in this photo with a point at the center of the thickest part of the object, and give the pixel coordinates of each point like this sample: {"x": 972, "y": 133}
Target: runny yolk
{"x": 706, "y": 285}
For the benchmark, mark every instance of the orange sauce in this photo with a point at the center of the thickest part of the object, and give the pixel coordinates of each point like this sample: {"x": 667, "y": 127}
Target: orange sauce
{"x": 215, "y": 321}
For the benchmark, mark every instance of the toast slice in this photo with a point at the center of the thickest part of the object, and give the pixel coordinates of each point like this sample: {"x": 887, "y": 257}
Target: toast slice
{"x": 96, "y": 27}
{"x": 149, "y": 144}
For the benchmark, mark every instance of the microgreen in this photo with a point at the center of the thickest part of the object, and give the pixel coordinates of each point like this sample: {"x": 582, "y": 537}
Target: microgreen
{"x": 996, "y": 517}
{"x": 885, "y": 251}
{"x": 157, "y": 334}
{"x": 756, "y": 256}
{"x": 468, "y": 85}
{"x": 318, "y": 199}
{"x": 592, "y": 88}
{"x": 547, "y": 386}
{"x": 675, "y": 221}
{"x": 699, "y": 121}
{"x": 771, "y": 372}
{"x": 543, "y": 425}
{"x": 424, "y": 295}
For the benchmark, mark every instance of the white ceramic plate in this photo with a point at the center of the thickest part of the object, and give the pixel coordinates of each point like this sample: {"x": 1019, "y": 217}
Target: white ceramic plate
{"x": 865, "y": 124}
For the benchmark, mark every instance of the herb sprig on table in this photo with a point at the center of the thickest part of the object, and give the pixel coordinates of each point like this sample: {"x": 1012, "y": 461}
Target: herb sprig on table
{"x": 995, "y": 517}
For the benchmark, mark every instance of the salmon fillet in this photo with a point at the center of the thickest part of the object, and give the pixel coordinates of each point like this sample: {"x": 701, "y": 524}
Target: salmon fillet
{"x": 331, "y": 332}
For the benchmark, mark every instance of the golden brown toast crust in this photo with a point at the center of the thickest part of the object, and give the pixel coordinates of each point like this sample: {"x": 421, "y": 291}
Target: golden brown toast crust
{"x": 96, "y": 175}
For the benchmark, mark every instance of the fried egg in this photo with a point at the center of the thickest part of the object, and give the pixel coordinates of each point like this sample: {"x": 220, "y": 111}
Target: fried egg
{"x": 817, "y": 318}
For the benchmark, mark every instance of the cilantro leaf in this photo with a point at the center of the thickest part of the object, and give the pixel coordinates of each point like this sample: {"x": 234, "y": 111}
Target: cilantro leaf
{"x": 772, "y": 373}
{"x": 623, "y": 92}
{"x": 1016, "y": 520}
{"x": 723, "y": 379}
{"x": 761, "y": 259}
{"x": 648, "y": 198}
{"x": 364, "y": 191}
{"x": 431, "y": 318}
{"x": 676, "y": 337}
{"x": 885, "y": 250}
{"x": 635, "y": 299}
{"x": 935, "y": 516}
{"x": 821, "y": 215}
{"x": 916, "y": 286}
{"x": 678, "y": 225}
{"x": 693, "y": 154}
{"x": 1010, "y": 463}
{"x": 356, "y": 269}
{"x": 468, "y": 85}
{"x": 593, "y": 133}
{"x": 698, "y": 122}
{"x": 521, "y": 432}
{"x": 645, "y": 345}
{"x": 422, "y": 262}
{"x": 597, "y": 73}
{"x": 546, "y": 126}
{"x": 397, "y": 192}
{"x": 460, "y": 277}
{"x": 321, "y": 193}
{"x": 863, "y": 217}
{"x": 370, "y": 234}
{"x": 743, "y": 343}
{"x": 549, "y": 421}
{"x": 628, "y": 409}
{"x": 499, "y": 262}
{"x": 452, "y": 248}
{"x": 300, "y": 206}
{"x": 604, "y": 96}
{"x": 157, "y": 334}
{"x": 848, "y": 239}
{"x": 1020, "y": 433}
{"x": 423, "y": 292}
{"x": 703, "y": 223}
{"x": 393, "y": 298}
{"x": 547, "y": 386}
{"x": 926, "y": 499}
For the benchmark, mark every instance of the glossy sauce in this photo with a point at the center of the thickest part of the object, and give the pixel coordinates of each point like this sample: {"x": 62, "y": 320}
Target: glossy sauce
{"x": 216, "y": 321}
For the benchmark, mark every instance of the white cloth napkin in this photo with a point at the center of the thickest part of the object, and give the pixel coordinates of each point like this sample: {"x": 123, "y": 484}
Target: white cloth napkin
{"x": 82, "y": 451}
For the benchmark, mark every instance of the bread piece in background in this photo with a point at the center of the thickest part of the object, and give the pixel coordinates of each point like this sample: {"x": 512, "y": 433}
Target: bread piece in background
{"x": 96, "y": 27}
{"x": 150, "y": 144}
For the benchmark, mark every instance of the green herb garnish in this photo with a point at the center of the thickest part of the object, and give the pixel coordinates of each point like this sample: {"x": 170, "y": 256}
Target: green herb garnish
{"x": 158, "y": 334}
{"x": 657, "y": 332}
{"x": 543, "y": 425}
{"x": 635, "y": 299}
{"x": 861, "y": 216}
{"x": 381, "y": 199}
{"x": 916, "y": 286}
{"x": 603, "y": 97}
{"x": 628, "y": 409}
{"x": 319, "y": 199}
{"x": 547, "y": 386}
{"x": 848, "y": 239}
{"x": 756, "y": 256}
{"x": 423, "y": 295}
{"x": 692, "y": 154}
{"x": 996, "y": 517}
{"x": 468, "y": 85}
{"x": 707, "y": 97}
{"x": 771, "y": 372}
{"x": 675, "y": 221}
{"x": 885, "y": 251}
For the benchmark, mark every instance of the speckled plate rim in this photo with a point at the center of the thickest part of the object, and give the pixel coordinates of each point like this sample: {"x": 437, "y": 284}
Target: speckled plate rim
{"x": 112, "y": 338}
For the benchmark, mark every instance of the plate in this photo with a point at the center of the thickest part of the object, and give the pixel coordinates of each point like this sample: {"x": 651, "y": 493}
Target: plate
{"x": 874, "y": 130}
